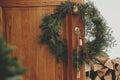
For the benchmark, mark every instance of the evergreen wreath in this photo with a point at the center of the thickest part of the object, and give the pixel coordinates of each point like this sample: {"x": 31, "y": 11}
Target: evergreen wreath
{"x": 97, "y": 33}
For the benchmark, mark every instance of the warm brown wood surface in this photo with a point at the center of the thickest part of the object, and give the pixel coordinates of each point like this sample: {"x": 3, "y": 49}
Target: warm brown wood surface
{"x": 24, "y": 3}
{"x": 1, "y": 22}
{"x": 21, "y": 20}
{"x": 22, "y": 30}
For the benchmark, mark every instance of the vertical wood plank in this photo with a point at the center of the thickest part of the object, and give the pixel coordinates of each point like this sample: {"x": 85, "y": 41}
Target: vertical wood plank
{"x": 34, "y": 3}
{"x": 70, "y": 67}
{"x": 60, "y": 71}
{"x": 23, "y": 29}
{"x": 82, "y": 72}
{"x": 1, "y": 21}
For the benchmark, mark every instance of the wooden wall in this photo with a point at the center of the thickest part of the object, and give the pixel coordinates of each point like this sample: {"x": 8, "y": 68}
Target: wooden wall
{"x": 1, "y": 21}
{"x": 19, "y": 23}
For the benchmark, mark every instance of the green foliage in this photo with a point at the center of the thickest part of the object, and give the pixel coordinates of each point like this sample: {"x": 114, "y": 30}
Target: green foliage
{"x": 97, "y": 33}
{"x": 96, "y": 27}
{"x": 9, "y": 67}
{"x": 81, "y": 58}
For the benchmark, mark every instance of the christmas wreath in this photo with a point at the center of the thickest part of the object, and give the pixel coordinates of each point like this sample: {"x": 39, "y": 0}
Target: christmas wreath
{"x": 97, "y": 33}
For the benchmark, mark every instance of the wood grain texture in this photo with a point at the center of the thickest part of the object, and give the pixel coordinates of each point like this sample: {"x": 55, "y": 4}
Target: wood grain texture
{"x": 82, "y": 73}
{"x": 1, "y": 21}
{"x": 76, "y": 23}
{"x": 22, "y": 29}
{"x": 60, "y": 71}
{"x": 24, "y": 3}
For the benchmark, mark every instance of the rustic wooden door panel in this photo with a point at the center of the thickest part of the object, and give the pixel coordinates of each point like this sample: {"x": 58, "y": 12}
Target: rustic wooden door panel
{"x": 22, "y": 30}
{"x": 19, "y": 22}
{"x": 1, "y": 21}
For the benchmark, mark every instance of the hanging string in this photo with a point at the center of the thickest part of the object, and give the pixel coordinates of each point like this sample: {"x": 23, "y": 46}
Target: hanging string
{"x": 81, "y": 43}
{"x": 77, "y": 31}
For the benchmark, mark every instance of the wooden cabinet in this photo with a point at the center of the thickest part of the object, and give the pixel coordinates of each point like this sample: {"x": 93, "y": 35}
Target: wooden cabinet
{"x": 19, "y": 23}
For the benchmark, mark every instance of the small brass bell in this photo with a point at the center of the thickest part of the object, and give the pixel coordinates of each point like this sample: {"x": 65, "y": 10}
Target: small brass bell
{"x": 75, "y": 9}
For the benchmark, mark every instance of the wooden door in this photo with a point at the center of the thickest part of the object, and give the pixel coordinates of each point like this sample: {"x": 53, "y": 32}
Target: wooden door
{"x": 19, "y": 23}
